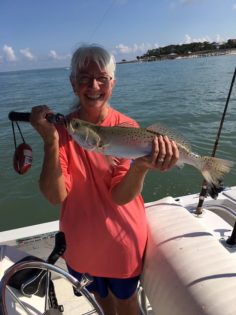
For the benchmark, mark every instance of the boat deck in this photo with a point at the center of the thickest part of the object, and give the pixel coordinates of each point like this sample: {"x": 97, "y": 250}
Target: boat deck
{"x": 185, "y": 251}
{"x": 41, "y": 247}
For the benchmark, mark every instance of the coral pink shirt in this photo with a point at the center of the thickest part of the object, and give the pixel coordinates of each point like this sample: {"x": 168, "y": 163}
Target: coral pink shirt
{"x": 103, "y": 238}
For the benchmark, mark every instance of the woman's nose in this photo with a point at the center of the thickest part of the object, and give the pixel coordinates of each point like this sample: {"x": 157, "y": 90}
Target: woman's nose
{"x": 94, "y": 83}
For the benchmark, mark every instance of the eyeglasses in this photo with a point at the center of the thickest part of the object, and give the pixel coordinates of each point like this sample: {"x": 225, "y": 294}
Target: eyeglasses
{"x": 86, "y": 80}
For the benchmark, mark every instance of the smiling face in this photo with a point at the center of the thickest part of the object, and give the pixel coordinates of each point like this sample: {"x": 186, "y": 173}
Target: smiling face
{"x": 93, "y": 86}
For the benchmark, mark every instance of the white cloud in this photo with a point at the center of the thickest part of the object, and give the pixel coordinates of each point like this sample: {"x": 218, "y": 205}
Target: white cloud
{"x": 123, "y": 49}
{"x": 234, "y": 6}
{"x": 219, "y": 39}
{"x": 9, "y": 53}
{"x": 27, "y": 54}
{"x": 143, "y": 47}
{"x": 54, "y": 55}
{"x": 189, "y": 39}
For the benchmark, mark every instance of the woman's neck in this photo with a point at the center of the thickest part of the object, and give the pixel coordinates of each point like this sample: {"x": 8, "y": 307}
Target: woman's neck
{"x": 93, "y": 116}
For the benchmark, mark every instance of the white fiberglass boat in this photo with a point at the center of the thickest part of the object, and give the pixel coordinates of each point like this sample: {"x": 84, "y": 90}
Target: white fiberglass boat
{"x": 189, "y": 268}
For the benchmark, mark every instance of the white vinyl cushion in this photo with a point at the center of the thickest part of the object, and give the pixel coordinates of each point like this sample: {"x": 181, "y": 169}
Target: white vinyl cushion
{"x": 187, "y": 271}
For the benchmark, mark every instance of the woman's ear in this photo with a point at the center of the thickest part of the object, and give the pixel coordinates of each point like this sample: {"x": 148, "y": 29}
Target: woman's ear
{"x": 72, "y": 82}
{"x": 113, "y": 83}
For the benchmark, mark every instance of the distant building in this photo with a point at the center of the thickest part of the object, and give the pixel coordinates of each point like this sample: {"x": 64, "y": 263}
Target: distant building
{"x": 216, "y": 45}
{"x": 172, "y": 56}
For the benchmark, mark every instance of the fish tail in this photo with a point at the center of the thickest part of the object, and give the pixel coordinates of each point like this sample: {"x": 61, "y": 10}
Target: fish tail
{"x": 214, "y": 169}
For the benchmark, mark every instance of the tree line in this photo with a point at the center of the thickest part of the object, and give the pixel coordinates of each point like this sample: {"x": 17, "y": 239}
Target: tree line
{"x": 188, "y": 49}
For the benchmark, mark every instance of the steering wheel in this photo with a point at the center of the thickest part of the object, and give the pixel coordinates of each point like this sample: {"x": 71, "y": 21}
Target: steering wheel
{"x": 79, "y": 286}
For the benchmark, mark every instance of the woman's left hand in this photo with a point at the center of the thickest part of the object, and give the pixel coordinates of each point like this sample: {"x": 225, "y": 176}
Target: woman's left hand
{"x": 164, "y": 155}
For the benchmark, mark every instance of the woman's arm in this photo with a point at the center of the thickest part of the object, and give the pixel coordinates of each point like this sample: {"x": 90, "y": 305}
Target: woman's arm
{"x": 51, "y": 180}
{"x": 164, "y": 156}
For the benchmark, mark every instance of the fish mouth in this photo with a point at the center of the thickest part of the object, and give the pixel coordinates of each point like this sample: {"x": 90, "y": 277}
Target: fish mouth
{"x": 72, "y": 125}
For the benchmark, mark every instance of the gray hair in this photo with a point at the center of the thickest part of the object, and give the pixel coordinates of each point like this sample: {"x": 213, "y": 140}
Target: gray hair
{"x": 86, "y": 53}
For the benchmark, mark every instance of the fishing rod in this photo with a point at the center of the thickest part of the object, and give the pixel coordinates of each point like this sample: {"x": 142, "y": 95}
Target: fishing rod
{"x": 214, "y": 190}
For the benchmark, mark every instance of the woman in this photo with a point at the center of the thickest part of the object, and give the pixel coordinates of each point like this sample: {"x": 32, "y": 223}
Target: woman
{"x": 102, "y": 212}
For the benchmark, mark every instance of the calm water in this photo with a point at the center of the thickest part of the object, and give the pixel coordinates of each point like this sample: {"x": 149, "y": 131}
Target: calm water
{"x": 187, "y": 95}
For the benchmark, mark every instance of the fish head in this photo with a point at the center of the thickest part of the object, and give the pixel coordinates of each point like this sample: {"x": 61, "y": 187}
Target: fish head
{"x": 83, "y": 133}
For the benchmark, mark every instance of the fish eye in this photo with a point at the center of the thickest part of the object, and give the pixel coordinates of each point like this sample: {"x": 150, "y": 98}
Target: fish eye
{"x": 76, "y": 124}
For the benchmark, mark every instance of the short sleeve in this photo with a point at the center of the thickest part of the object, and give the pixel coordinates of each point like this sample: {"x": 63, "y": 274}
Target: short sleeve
{"x": 119, "y": 171}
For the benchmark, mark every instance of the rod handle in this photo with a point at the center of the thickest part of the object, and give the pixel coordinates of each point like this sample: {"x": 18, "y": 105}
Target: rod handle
{"x": 58, "y": 119}
{"x": 17, "y": 116}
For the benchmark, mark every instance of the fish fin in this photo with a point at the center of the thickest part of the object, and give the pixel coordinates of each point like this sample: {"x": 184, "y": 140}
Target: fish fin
{"x": 101, "y": 148}
{"x": 112, "y": 160}
{"x": 163, "y": 130}
{"x": 109, "y": 159}
{"x": 214, "y": 169}
{"x": 179, "y": 165}
{"x": 214, "y": 191}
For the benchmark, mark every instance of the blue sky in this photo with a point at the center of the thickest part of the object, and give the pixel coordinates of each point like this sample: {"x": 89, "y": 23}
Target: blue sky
{"x": 44, "y": 33}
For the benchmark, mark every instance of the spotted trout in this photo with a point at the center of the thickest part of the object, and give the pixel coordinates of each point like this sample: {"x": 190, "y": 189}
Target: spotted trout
{"x": 130, "y": 142}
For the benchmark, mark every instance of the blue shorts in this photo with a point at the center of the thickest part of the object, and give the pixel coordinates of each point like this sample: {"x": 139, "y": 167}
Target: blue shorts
{"x": 120, "y": 288}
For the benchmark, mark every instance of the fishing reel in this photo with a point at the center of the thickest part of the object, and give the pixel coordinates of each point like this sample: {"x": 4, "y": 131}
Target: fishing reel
{"x": 22, "y": 159}
{"x": 23, "y": 155}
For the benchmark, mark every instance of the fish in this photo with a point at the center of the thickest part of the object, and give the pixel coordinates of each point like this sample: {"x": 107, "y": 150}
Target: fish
{"x": 129, "y": 142}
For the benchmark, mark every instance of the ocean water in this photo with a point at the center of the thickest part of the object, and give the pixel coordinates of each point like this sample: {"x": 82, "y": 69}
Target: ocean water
{"x": 187, "y": 95}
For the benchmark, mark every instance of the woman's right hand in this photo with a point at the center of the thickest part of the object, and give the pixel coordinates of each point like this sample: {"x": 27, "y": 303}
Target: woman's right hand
{"x": 46, "y": 129}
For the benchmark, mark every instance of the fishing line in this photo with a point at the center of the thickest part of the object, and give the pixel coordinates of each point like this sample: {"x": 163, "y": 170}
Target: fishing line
{"x": 213, "y": 191}
{"x": 100, "y": 21}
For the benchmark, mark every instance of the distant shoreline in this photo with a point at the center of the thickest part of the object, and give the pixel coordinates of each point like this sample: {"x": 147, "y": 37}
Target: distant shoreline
{"x": 166, "y": 57}
{"x": 175, "y": 56}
